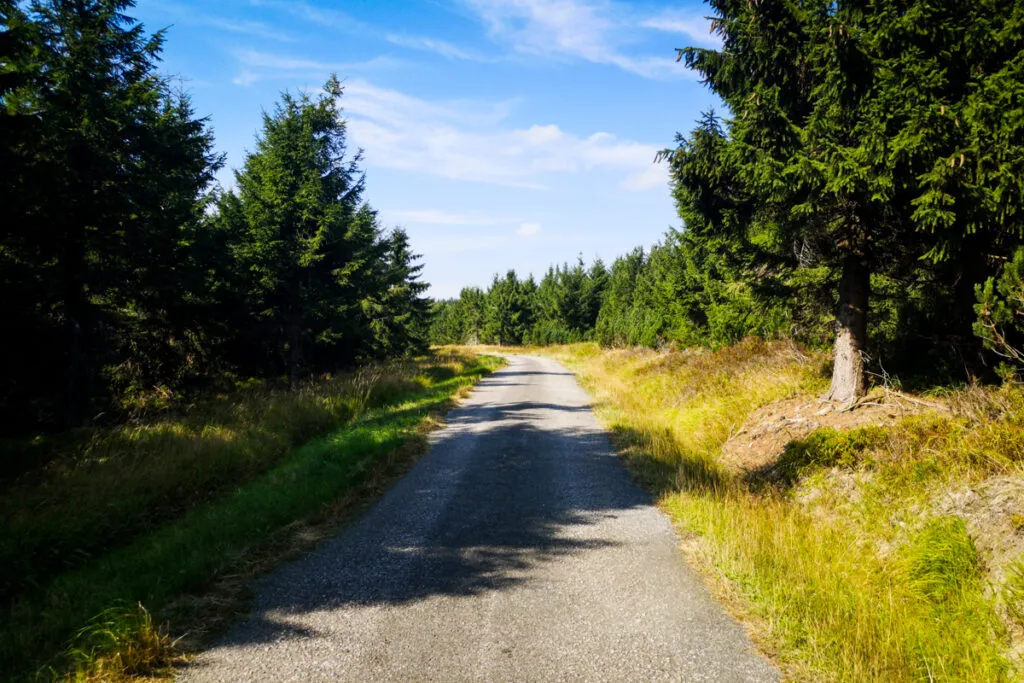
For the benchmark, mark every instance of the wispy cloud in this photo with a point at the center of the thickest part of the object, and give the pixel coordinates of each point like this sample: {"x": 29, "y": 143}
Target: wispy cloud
{"x": 528, "y": 229}
{"x": 695, "y": 27}
{"x": 192, "y": 16}
{"x": 435, "y": 217}
{"x": 257, "y": 65}
{"x": 596, "y": 31}
{"x": 470, "y": 141}
{"x": 655, "y": 176}
{"x": 443, "y": 48}
{"x": 256, "y": 29}
{"x": 322, "y": 16}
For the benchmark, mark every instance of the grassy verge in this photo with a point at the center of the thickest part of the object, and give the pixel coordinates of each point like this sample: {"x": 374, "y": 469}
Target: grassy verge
{"x": 215, "y": 530}
{"x": 110, "y": 486}
{"x": 880, "y": 553}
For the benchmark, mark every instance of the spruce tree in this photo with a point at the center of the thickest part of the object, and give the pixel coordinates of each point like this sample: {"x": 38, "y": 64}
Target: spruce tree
{"x": 612, "y": 327}
{"x": 302, "y": 239}
{"x": 106, "y": 165}
{"x": 869, "y": 134}
{"x": 471, "y": 311}
{"x": 398, "y": 313}
{"x": 505, "y": 311}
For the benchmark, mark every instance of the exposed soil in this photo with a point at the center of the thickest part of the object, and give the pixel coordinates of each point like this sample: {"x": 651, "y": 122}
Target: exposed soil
{"x": 762, "y": 439}
{"x": 994, "y": 513}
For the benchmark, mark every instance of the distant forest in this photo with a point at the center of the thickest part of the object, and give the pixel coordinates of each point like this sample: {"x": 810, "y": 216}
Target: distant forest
{"x": 865, "y": 190}
{"x": 129, "y": 277}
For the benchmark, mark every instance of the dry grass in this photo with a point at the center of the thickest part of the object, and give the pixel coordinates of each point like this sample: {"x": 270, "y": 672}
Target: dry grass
{"x": 122, "y": 643}
{"x": 223, "y": 502}
{"x": 878, "y": 553}
{"x": 113, "y": 485}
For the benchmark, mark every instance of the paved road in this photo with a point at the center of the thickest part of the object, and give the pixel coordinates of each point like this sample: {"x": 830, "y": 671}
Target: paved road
{"x": 517, "y": 549}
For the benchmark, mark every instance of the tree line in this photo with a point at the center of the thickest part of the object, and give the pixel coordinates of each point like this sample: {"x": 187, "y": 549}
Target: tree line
{"x": 128, "y": 273}
{"x": 866, "y": 189}
{"x": 561, "y": 309}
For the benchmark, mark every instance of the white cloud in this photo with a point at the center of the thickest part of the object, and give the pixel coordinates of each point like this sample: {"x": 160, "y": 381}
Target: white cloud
{"x": 245, "y": 78}
{"x": 191, "y": 16}
{"x": 443, "y": 48}
{"x": 528, "y": 229}
{"x": 434, "y": 217}
{"x": 540, "y": 135}
{"x": 468, "y": 141}
{"x": 597, "y": 31}
{"x": 257, "y": 65}
{"x": 694, "y": 26}
{"x": 655, "y": 176}
{"x": 329, "y": 18}
{"x": 255, "y": 29}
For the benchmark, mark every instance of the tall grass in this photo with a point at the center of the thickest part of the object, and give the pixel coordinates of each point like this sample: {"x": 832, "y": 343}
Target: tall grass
{"x": 845, "y": 562}
{"x": 114, "y": 485}
{"x": 250, "y": 481}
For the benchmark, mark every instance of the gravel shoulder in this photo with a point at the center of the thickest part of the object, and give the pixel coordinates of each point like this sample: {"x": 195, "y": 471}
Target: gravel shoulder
{"x": 516, "y": 549}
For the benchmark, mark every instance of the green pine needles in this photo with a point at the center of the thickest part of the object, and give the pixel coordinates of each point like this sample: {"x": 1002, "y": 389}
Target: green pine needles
{"x": 129, "y": 278}
{"x": 866, "y": 176}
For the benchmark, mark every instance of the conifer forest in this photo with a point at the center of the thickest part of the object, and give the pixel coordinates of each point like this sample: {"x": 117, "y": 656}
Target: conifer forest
{"x": 816, "y": 373}
{"x": 125, "y": 268}
{"x": 865, "y": 189}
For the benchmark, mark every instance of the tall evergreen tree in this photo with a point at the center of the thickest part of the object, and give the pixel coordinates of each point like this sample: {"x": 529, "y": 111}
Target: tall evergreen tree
{"x": 612, "y": 325}
{"x": 398, "y": 314}
{"x": 106, "y": 165}
{"x": 300, "y": 234}
{"x": 505, "y": 311}
{"x": 472, "y": 308}
{"x": 850, "y": 134}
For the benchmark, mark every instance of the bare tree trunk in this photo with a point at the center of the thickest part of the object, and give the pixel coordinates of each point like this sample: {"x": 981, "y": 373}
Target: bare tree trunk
{"x": 851, "y": 336}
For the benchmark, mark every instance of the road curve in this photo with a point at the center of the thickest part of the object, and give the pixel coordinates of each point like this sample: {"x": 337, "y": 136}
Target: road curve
{"x": 516, "y": 549}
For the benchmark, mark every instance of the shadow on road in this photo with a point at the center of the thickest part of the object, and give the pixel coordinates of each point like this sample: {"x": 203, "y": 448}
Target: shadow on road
{"x": 521, "y": 373}
{"x": 497, "y": 498}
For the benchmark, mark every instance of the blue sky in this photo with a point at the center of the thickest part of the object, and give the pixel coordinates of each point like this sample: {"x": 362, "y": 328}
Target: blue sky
{"x": 500, "y": 133}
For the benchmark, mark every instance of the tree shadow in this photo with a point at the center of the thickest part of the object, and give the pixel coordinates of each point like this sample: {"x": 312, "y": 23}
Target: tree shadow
{"x": 520, "y": 373}
{"x": 515, "y": 410}
{"x": 495, "y": 500}
{"x": 661, "y": 466}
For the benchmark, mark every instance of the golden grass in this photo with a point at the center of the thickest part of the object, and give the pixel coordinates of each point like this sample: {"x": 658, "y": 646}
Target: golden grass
{"x": 863, "y": 562}
{"x": 177, "y": 505}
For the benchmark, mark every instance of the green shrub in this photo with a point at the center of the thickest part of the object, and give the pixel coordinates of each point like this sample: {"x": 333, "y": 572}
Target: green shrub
{"x": 828, "y": 447}
{"x": 1000, "y": 310}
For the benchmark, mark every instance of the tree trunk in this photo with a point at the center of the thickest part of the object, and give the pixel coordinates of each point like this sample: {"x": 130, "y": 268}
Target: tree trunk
{"x": 852, "y": 333}
{"x": 76, "y": 325}
{"x": 294, "y": 355}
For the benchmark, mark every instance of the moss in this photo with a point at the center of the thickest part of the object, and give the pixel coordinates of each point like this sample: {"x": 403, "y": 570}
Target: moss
{"x": 828, "y": 447}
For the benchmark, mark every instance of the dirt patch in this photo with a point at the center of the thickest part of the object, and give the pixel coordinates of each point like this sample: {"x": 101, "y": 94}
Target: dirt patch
{"x": 762, "y": 439}
{"x": 994, "y": 513}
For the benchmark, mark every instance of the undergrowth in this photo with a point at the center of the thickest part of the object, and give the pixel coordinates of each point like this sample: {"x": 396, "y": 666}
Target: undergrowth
{"x": 827, "y": 447}
{"x": 201, "y": 492}
{"x": 110, "y": 486}
{"x": 847, "y": 556}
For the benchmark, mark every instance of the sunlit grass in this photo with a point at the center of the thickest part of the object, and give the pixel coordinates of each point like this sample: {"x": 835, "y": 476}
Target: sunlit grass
{"x": 846, "y": 561}
{"x": 375, "y": 412}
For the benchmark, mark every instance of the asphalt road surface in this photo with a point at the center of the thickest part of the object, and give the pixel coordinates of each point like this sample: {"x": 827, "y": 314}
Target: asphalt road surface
{"x": 517, "y": 549}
